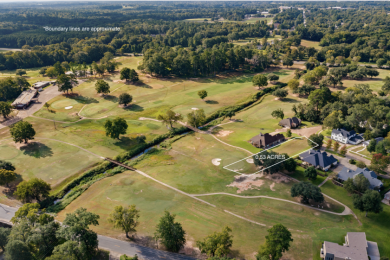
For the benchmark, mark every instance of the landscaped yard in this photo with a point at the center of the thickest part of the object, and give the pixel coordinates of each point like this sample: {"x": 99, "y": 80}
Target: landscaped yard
{"x": 375, "y": 83}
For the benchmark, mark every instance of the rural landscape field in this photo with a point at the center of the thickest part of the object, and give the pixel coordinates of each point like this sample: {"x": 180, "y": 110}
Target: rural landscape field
{"x": 194, "y": 130}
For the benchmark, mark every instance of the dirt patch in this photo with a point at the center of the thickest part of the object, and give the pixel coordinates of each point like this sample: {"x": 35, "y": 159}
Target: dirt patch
{"x": 119, "y": 81}
{"x": 272, "y": 186}
{"x": 223, "y": 133}
{"x": 276, "y": 98}
{"x": 246, "y": 182}
{"x": 278, "y": 178}
{"x": 156, "y": 86}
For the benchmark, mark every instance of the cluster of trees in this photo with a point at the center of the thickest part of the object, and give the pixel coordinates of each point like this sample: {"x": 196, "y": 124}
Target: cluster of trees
{"x": 11, "y": 87}
{"x": 166, "y": 61}
{"x": 272, "y": 162}
{"x": 36, "y": 235}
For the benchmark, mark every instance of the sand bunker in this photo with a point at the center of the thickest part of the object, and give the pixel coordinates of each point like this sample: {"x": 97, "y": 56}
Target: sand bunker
{"x": 272, "y": 186}
{"x": 194, "y": 108}
{"x": 69, "y": 107}
{"x": 244, "y": 183}
{"x": 250, "y": 160}
{"x": 223, "y": 133}
{"x": 216, "y": 161}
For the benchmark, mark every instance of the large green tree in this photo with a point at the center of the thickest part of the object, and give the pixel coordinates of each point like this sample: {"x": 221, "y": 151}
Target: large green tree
{"x": 125, "y": 74}
{"x": 81, "y": 240}
{"x": 169, "y": 118}
{"x": 66, "y": 83}
{"x": 125, "y": 98}
{"x": 171, "y": 233}
{"x": 278, "y": 113}
{"x": 202, "y": 94}
{"x": 34, "y": 189}
{"x": 7, "y": 165}
{"x": 361, "y": 183}
{"x": 311, "y": 173}
{"x": 196, "y": 118}
{"x": 22, "y": 132}
{"x": 280, "y": 93}
{"x": 5, "y": 109}
{"x": 316, "y": 141}
{"x": 17, "y": 250}
{"x": 125, "y": 218}
{"x": 307, "y": 191}
{"x": 260, "y": 80}
{"x": 102, "y": 87}
{"x": 6, "y": 177}
{"x": 4, "y": 234}
{"x": 115, "y": 128}
{"x": 217, "y": 244}
{"x": 276, "y": 243}
{"x": 371, "y": 201}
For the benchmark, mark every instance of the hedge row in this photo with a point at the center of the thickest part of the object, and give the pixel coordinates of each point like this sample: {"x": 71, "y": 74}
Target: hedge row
{"x": 98, "y": 171}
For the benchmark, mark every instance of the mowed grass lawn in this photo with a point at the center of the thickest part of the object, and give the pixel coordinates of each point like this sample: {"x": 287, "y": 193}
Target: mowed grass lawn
{"x": 189, "y": 167}
{"x": 258, "y": 119}
{"x": 375, "y": 83}
{"x": 314, "y": 44}
{"x": 199, "y": 219}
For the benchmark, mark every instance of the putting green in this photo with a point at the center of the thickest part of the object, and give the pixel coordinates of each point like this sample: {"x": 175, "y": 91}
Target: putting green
{"x": 61, "y": 104}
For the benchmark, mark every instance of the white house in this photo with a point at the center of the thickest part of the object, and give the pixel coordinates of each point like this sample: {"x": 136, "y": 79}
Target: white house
{"x": 346, "y": 137}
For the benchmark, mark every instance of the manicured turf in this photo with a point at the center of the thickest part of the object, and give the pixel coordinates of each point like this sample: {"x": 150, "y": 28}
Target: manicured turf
{"x": 314, "y": 44}
{"x": 199, "y": 219}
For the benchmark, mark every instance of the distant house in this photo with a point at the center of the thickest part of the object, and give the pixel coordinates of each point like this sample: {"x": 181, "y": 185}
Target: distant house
{"x": 290, "y": 122}
{"x": 346, "y": 137}
{"x": 25, "y": 98}
{"x": 386, "y": 199}
{"x": 346, "y": 173}
{"x": 366, "y": 143}
{"x": 266, "y": 140}
{"x": 318, "y": 159}
{"x": 356, "y": 247}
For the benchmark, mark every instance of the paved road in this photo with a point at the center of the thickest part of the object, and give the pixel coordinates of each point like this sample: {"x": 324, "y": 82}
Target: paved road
{"x": 114, "y": 245}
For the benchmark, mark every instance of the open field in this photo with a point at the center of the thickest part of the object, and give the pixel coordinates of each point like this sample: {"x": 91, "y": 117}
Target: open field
{"x": 314, "y": 44}
{"x": 255, "y": 19}
{"x": 198, "y": 20}
{"x": 375, "y": 83}
{"x": 251, "y": 39}
{"x": 199, "y": 219}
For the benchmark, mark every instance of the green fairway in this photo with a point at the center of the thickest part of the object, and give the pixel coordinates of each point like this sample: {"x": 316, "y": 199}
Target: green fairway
{"x": 199, "y": 219}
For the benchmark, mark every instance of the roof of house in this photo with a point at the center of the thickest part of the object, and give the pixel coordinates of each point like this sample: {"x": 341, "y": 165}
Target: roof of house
{"x": 346, "y": 173}
{"x": 356, "y": 138}
{"x": 387, "y": 195}
{"x": 343, "y": 132}
{"x": 25, "y": 97}
{"x": 355, "y": 250}
{"x": 266, "y": 139}
{"x": 378, "y": 139}
{"x": 318, "y": 158}
{"x": 289, "y": 121}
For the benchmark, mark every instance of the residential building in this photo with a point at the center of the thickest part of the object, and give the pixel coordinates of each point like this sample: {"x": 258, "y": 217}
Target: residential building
{"x": 386, "y": 199}
{"x": 25, "y": 98}
{"x": 318, "y": 159}
{"x": 266, "y": 140}
{"x": 346, "y": 173}
{"x": 290, "y": 122}
{"x": 346, "y": 137}
{"x": 378, "y": 139}
{"x": 356, "y": 247}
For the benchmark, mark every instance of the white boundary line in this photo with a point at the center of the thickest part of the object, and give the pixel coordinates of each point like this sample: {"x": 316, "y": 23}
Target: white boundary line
{"x": 250, "y": 156}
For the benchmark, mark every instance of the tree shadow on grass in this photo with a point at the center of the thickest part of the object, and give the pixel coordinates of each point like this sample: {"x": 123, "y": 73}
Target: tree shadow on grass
{"x": 37, "y": 150}
{"x": 212, "y": 102}
{"x": 290, "y": 100}
{"x": 134, "y": 108}
{"x": 126, "y": 142}
{"x": 139, "y": 84}
{"x": 111, "y": 98}
{"x": 85, "y": 100}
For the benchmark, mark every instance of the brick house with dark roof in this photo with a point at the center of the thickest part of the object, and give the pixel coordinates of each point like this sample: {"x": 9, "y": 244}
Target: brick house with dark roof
{"x": 266, "y": 140}
{"x": 290, "y": 122}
